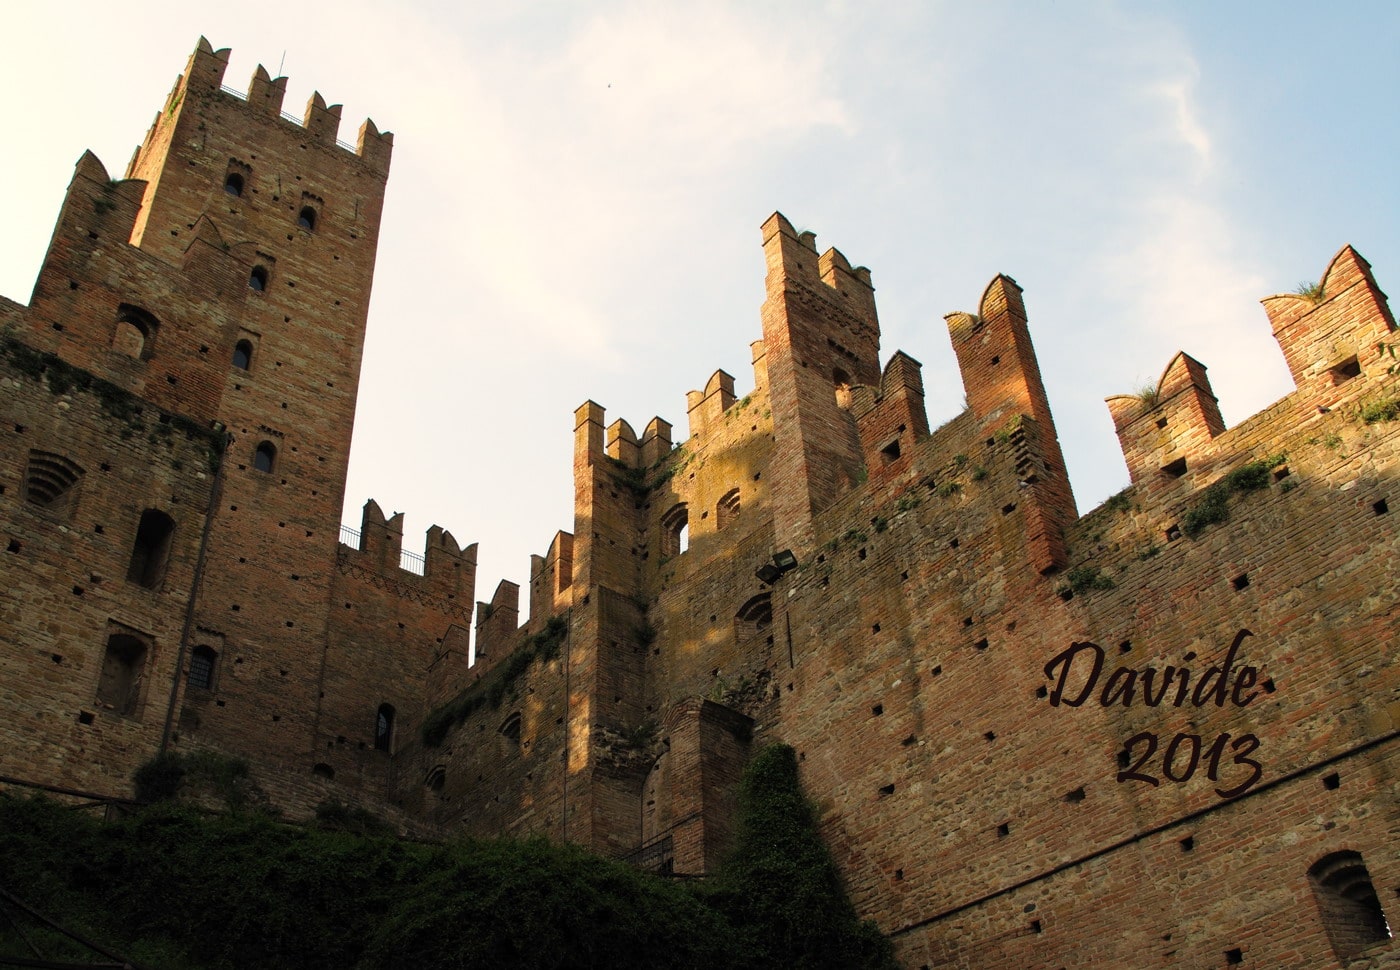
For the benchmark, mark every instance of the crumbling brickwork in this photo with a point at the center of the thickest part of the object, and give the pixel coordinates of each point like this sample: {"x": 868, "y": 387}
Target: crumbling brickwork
{"x": 1163, "y": 733}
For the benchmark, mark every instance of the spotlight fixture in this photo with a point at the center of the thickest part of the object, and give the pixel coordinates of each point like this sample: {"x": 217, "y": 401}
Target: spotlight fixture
{"x": 782, "y": 562}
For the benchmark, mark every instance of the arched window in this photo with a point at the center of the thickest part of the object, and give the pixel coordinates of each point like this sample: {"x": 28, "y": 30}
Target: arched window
{"x": 151, "y": 550}
{"x": 436, "y": 778}
{"x": 1351, "y": 910}
{"x": 265, "y": 457}
{"x": 323, "y": 770}
{"x": 135, "y": 332}
{"x": 727, "y": 508}
{"x": 675, "y": 531}
{"x": 753, "y": 618}
{"x": 243, "y": 354}
{"x": 384, "y": 728}
{"x": 123, "y": 667}
{"x": 510, "y": 728}
{"x": 203, "y": 662}
{"x": 257, "y": 280}
{"x": 233, "y": 184}
{"x": 306, "y": 218}
{"x": 50, "y": 480}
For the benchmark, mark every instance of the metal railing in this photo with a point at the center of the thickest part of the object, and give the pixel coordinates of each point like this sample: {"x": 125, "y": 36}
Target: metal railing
{"x": 299, "y": 122}
{"x": 409, "y": 562}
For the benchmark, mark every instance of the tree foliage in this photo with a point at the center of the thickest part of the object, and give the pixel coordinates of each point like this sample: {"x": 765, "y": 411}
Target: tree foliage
{"x": 177, "y": 890}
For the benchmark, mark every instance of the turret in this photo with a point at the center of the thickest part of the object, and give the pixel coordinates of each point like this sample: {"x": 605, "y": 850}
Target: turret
{"x": 821, "y": 337}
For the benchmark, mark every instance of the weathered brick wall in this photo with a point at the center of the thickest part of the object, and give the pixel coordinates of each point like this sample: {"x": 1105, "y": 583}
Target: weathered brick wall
{"x": 65, "y": 569}
{"x": 174, "y": 250}
{"x": 945, "y": 776}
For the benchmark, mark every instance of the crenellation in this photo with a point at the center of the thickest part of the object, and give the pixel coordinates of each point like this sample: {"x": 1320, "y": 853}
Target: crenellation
{"x": 1336, "y": 331}
{"x": 322, "y": 122}
{"x": 1169, "y": 428}
{"x": 496, "y": 623}
{"x": 656, "y": 442}
{"x": 706, "y": 408}
{"x": 266, "y": 92}
{"x": 622, "y": 444}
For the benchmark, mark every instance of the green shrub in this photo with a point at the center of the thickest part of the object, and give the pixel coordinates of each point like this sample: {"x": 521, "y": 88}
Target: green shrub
{"x": 176, "y": 890}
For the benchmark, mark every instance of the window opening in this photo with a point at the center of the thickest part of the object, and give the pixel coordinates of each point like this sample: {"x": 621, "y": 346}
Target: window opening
{"x": 675, "y": 531}
{"x": 265, "y": 457}
{"x": 842, "y": 382}
{"x": 50, "y": 479}
{"x": 510, "y": 728}
{"x": 151, "y": 550}
{"x": 1345, "y": 371}
{"x": 202, "y": 662}
{"x": 306, "y": 219}
{"x": 233, "y": 184}
{"x": 135, "y": 332}
{"x": 123, "y": 667}
{"x": 727, "y": 508}
{"x": 1346, "y": 898}
{"x": 754, "y": 617}
{"x": 384, "y": 728}
{"x": 243, "y": 354}
{"x": 257, "y": 280}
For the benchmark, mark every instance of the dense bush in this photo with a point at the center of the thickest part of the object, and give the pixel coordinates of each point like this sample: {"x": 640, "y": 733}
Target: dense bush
{"x": 176, "y": 890}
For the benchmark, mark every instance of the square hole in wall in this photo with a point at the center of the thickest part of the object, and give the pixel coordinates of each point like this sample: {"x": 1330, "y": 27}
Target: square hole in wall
{"x": 1380, "y": 507}
{"x": 1332, "y": 782}
{"x": 1345, "y": 371}
{"x": 1241, "y": 581}
{"x": 1175, "y": 469}
{"x": 1234, "y": 956}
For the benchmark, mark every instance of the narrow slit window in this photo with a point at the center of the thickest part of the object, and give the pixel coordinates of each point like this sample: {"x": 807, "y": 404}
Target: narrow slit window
{"x": 243, "y": 354}
{"x": 384, "y": 728}
{"x": 265, "y": 457}
{"x": 257, "y": 279}
{"x": 306, "y": 218}
{"x": 123, "y": 669}
{"x": 233, "y": 184}
{"x": 151, "y": 550}
{"x": 675, "y": 531}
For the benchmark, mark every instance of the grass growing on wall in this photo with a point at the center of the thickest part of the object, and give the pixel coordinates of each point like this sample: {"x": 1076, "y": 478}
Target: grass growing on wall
{"x": 176, "y": 890}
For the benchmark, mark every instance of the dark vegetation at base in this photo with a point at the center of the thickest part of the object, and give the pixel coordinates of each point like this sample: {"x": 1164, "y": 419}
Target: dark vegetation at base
{"x": 177, "y": 890}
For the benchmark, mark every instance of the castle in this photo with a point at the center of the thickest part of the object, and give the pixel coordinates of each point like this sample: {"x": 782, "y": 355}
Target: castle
{"x": 1163, "y": 733}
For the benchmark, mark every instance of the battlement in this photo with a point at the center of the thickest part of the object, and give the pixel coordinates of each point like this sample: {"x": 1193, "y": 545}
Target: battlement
{"x": 1335, "y": 339}
{"x": 444, "y": 565}
{"x": 205, "y": 71}
{"x": 792, "y": 258}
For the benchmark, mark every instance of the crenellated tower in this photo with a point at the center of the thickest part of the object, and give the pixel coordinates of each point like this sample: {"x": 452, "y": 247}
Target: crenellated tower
{"x": 821, "y": 337}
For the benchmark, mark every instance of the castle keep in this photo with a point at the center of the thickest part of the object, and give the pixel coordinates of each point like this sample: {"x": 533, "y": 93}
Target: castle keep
{"x": 1162, "y": 733}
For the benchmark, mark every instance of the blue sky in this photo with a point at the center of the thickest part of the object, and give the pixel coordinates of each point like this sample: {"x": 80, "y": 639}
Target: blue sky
{"x": 577, "y": 188}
